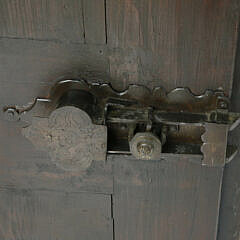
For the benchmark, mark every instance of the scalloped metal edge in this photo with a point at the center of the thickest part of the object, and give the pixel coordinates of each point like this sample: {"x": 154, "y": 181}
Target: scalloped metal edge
{"x": 177, "y": 100}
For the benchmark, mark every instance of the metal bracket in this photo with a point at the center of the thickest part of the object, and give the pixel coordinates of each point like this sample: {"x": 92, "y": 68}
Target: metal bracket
{"x": 214, "y": 144}
{"x": 72, "y": 121}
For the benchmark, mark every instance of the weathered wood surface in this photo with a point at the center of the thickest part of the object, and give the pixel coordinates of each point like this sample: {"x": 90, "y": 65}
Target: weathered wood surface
{"x": 55, "y": 20}
{"x": 24, "y": 167}
{"x": 94, "y": 21}
{"x": 229, "y": 227}
{"x": 43, "y": 215}
{"x": 170, "y": 199}
{"x": 229, "y": 217}
{"x": 174, "y": 43}
{"x": 29, "y": 68}
{"x": 151, "y": 42}
{"x": 43, "y": 20}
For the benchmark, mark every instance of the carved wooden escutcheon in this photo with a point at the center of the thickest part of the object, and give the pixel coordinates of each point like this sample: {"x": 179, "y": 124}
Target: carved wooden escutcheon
{"x": 70, "y": 138}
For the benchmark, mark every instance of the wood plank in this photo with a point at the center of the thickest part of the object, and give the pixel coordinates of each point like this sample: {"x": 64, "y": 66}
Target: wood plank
{"x": 229, "y": 227}
{"x": 94, "y": 21}
{"x": 42, "y": 19}
{"x": 173, "y": 198}
{"x": 52, "y": 215}
{"x": 174, "y": 43}
{"x": 150, "y": 42}
{"x": 29, "y": 68}
{"x": 230, "y": 201}
{"x": 24, "y": 167}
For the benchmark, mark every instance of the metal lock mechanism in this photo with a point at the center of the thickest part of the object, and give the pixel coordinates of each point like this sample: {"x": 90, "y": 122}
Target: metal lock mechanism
{"x": 80, "y": 122}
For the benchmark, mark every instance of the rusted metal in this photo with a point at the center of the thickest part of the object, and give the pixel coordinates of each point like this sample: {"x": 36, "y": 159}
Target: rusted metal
{"x": 214, "y": 144}
{"x": 177, "y": 119}
{"x": 177, "y": 100}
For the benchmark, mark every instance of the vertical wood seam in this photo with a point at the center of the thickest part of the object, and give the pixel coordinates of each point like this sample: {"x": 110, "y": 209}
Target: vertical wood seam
{"x": 83, "y": 19}
{"x": 234, "y": 57}
{"x": 106, "y": 27}
{"x": 113, "y": 224}
{"x": 219, "y": 206}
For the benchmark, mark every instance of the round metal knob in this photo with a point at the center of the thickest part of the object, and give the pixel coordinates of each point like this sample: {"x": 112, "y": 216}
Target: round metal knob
{"x": 145, "y": 146}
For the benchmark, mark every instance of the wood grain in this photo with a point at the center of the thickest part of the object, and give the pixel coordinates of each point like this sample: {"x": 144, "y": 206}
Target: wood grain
{"x": 230, "y": 200}
{"x": 149, "y": 42}
{"x": 52, "y": 215}
{"x": 169, "y": 199}
{"x": 229, "y": 227}
{"x": 94, "y": 21}
{"x": 174, "y": 43}
{"x": 42, "y": 19}
{"x": 29, "y": 68}
{"x": 24, "y": 167}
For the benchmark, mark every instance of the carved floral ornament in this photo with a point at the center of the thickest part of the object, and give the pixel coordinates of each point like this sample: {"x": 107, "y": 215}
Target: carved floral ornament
{"x": 69, "y": 137}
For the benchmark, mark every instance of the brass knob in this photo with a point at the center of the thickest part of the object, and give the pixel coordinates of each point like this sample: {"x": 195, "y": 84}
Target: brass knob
{"x": 146, "y": 146}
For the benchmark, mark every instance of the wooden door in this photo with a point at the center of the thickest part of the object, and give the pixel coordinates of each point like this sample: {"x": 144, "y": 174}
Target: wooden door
{"x": 167, "y": 43}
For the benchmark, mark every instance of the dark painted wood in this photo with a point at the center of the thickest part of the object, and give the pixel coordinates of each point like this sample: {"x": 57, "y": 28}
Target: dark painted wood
{"x": 44, "y": 215}
{"x": 42, "y": 19}
{"x": 24, "y": 167}
{"x": 178, "y": 43}
{"x": 173, "y": 198}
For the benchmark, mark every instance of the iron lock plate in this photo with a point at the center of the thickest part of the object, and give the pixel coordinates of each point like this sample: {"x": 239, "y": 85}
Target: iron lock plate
{"x": 79, "y": 122}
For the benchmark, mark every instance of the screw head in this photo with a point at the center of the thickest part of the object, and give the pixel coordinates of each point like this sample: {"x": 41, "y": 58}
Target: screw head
{"x": 146, "y": 146}
{"x": 145, "y": 149}
{"x": 11, "y": 114}
{"x": 223, "y": 105}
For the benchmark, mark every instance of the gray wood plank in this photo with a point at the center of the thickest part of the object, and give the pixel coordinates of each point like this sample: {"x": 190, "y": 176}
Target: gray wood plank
{"x": 24, "y": 167}
{"x": 43, "y": 215}
{"x": 167, "y": 42}
{"x": 94, "y": 21}
{"x": 150, "y": 42}
{"x": 229, "y": 227}
{"x": 42, "y": 19}
{"x": 173, "y": 198}
{"x": 174, "y": 43}
{"x": 29, "y": 68}
{"x": 229, "y": 217}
